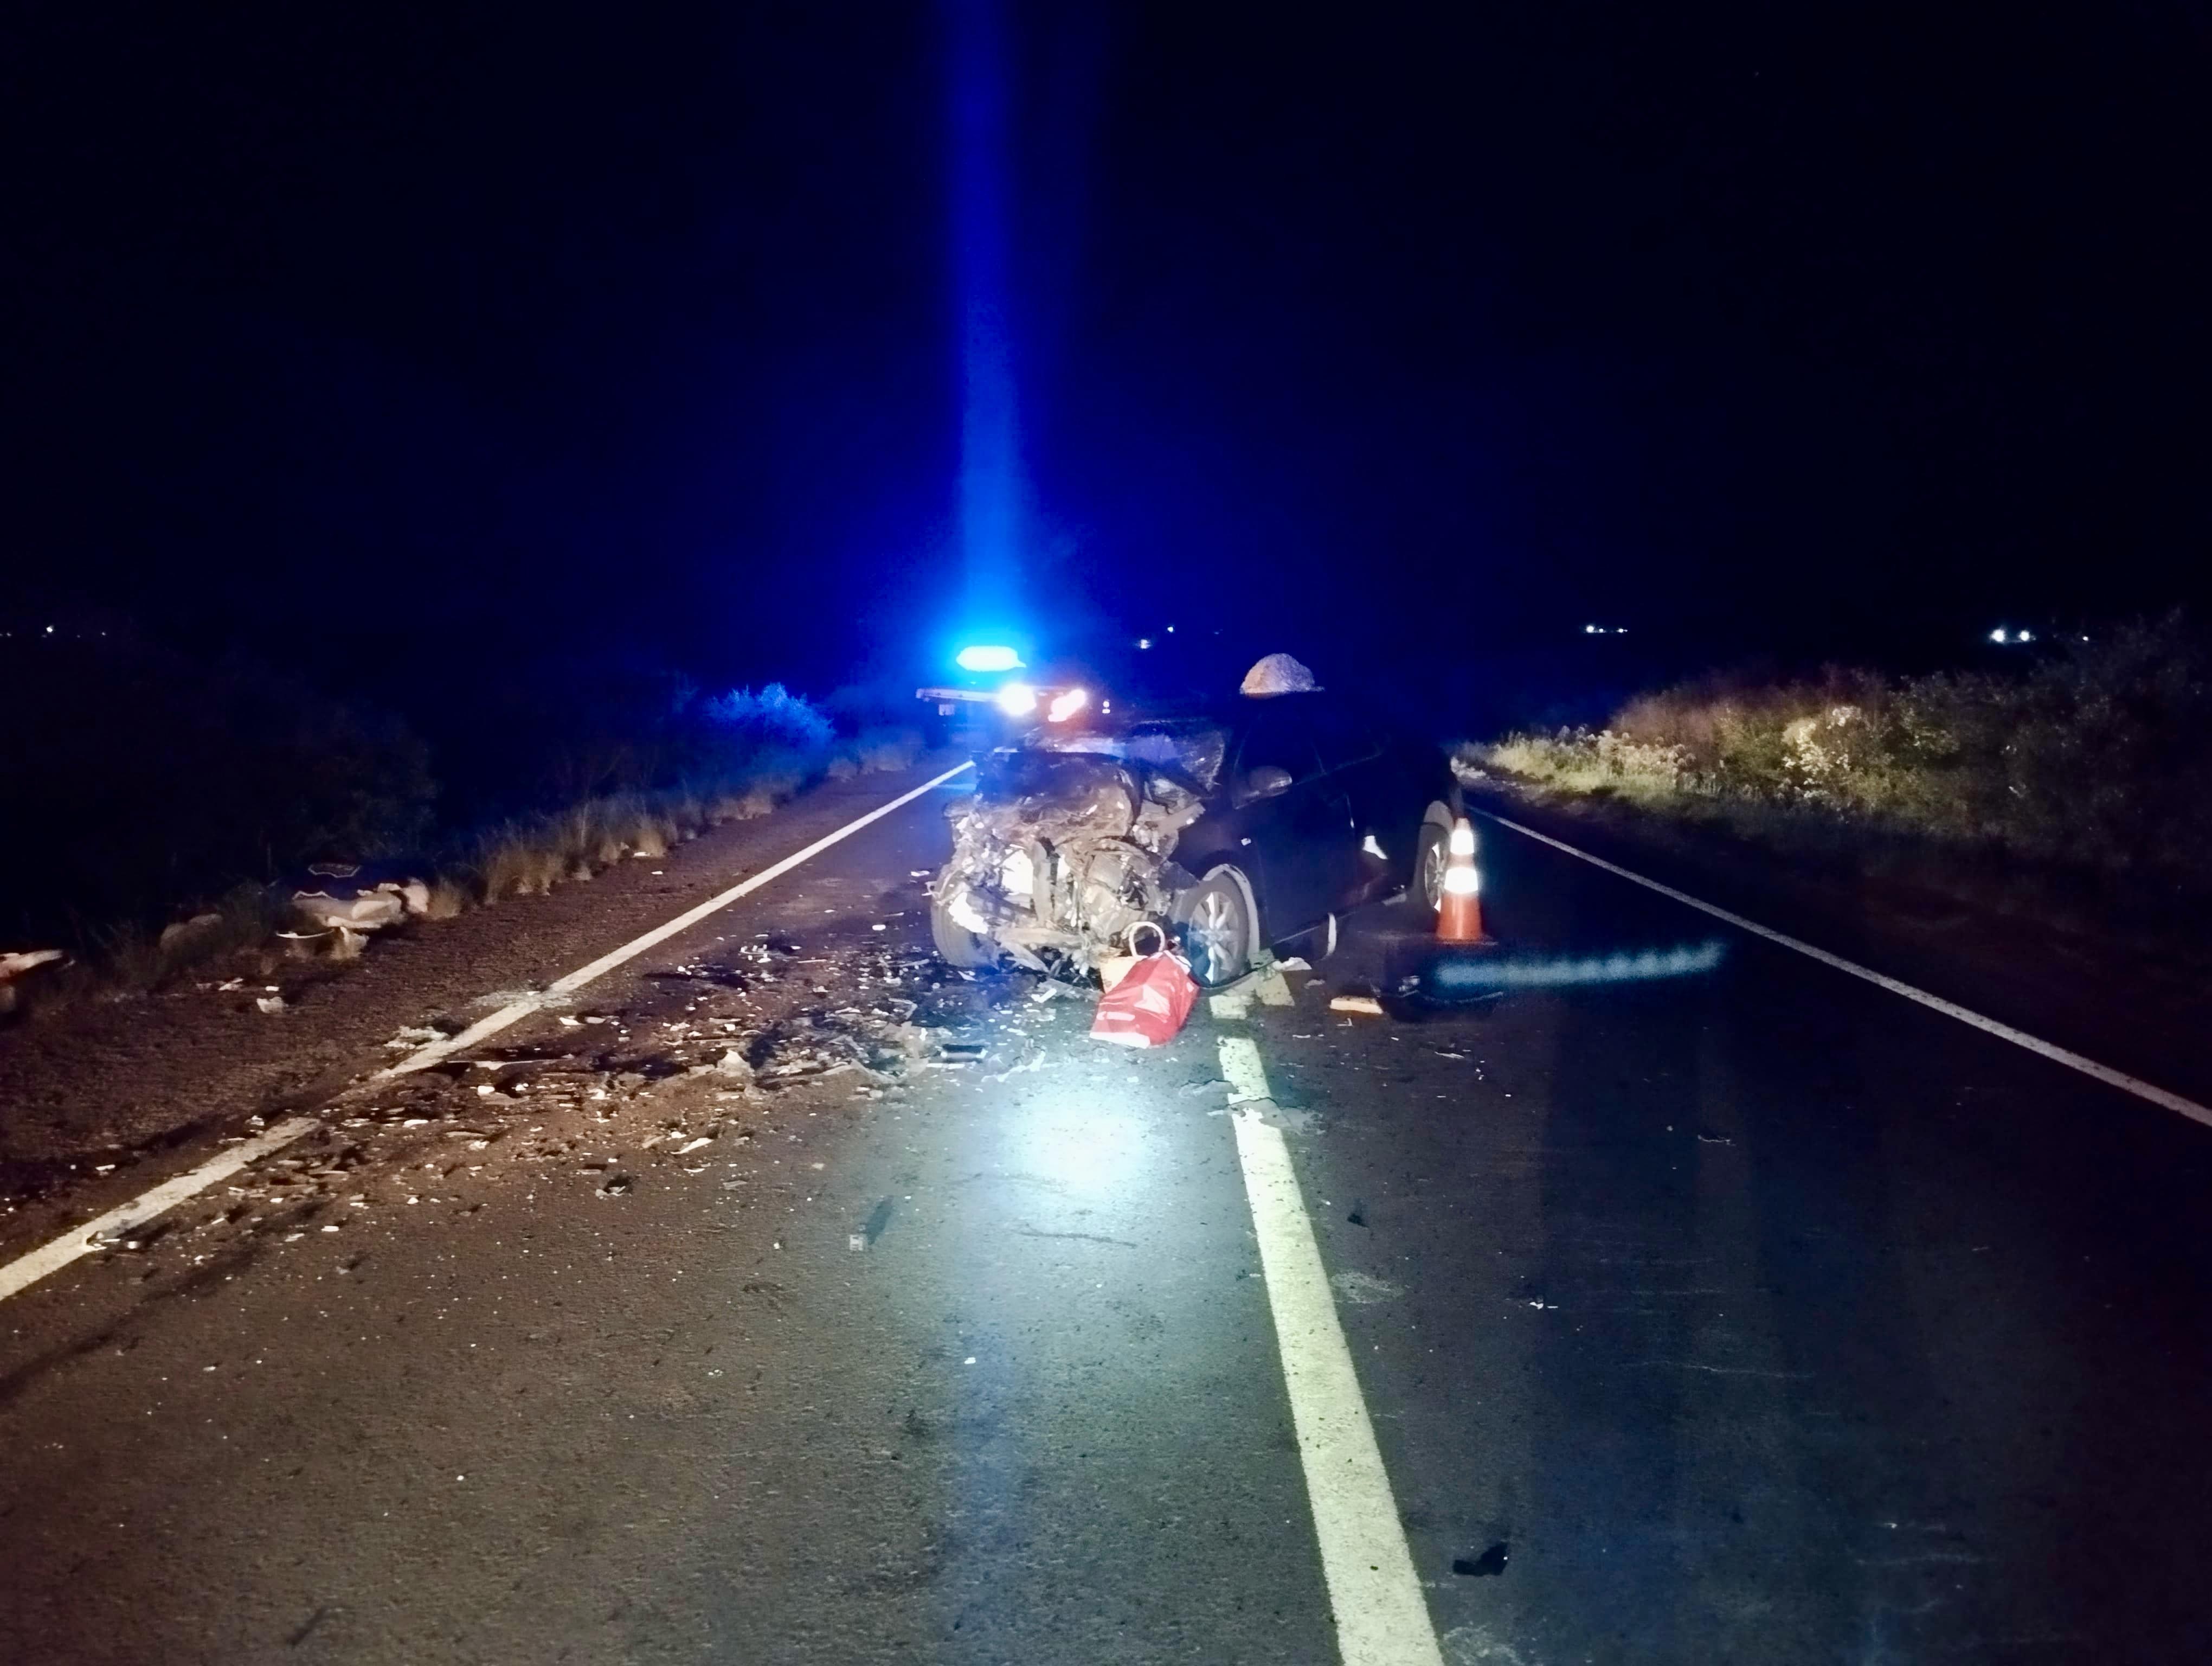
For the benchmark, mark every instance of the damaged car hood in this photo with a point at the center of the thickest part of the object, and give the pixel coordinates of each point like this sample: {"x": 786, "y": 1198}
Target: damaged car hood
{"x": 1066, "y": 845}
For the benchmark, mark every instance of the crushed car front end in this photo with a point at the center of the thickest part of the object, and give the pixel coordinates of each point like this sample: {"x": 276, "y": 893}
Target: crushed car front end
{"x": 1066, "y": 846}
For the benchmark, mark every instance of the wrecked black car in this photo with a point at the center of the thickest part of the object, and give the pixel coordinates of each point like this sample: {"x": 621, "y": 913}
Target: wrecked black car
{"x": 1229, "y": 830}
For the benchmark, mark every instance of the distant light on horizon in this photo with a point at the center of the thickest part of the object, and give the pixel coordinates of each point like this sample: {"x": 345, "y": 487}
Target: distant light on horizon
{"x": 2005, "y": 635}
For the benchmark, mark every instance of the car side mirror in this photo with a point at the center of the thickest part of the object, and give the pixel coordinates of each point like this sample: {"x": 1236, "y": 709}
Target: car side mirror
{"x": 1267, "y": 781}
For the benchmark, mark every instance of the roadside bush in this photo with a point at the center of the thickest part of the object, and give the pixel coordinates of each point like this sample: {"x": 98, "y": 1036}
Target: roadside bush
{"x": 2099, "y": 757}
{"x": 142, "y": 787}
{"x": 773, "y": 718}
{"x": 139, "y": 785}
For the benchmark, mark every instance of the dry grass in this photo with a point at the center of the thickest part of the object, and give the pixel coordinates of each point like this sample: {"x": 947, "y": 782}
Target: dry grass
{"x": 526, "y": 856}
{"x": 2099, "y": 758}
{"x": 884, "y": 751}
{"x": 449, "y": 900}
{"x": 245, "y": 918}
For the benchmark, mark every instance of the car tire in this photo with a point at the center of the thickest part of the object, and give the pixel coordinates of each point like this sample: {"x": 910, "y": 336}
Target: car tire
{"x": 957, "y": 947}
{"x": 1218, "y": 935}
{"x": 1431, "y": 852}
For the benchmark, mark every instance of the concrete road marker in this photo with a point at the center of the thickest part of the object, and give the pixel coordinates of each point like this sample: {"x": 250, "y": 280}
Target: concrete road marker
{"x": 29, "y": 1267}
{"x": 1381, "y": 1617}
{"x": 2057, "y": 1055}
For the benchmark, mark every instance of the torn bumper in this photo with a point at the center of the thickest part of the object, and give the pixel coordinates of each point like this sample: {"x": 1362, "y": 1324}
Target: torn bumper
{"x": 1058, "y": 855}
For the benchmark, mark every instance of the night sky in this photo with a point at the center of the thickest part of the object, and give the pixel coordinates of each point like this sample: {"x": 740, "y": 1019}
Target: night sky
{"x": 372, "y": 343}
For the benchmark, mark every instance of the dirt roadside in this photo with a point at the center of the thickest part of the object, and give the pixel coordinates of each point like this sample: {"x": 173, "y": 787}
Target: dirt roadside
{"x": 88, "y": 1095}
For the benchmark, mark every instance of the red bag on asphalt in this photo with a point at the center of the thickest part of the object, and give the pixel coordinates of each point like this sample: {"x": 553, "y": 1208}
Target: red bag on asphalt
{"x": 1148, "y": 1006}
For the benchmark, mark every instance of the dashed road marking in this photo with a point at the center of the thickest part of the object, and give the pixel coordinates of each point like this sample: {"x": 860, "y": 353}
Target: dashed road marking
{"x": 1381, "y": 1617}
{"x": 2057, "y": 1055}
{"x": 117, "y": 1223}
{"x": 28, "y": 1268}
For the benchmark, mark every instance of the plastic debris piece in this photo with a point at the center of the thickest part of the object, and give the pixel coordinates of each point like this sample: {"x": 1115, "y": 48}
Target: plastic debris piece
{"x": 271, "y": 1004}
{"x": 1295, "y": 963}
{"x": 1149, "y": 1007}
{"x": 1364, "y": 1004}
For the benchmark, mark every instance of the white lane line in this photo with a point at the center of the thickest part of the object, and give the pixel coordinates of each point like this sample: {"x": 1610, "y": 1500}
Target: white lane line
{"x": 52, "y": 1257}
{"x": 1239, "y": 1064}
{"x": 1381, "y": 1617}
{"x": 515, "y": 1012}
{"x": 2052, "y": 1050}
{"x": 27, "y": 1269}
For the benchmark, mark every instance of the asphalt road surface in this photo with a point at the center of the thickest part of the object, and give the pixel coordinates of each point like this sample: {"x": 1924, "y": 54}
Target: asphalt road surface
{"x": 1748, "y": 1315}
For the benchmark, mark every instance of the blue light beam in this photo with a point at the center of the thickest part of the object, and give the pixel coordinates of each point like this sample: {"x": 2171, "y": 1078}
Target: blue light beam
{"x": 991, "y": 479}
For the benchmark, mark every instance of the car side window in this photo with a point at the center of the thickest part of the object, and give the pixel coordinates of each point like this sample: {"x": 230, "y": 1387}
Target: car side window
{"x": 1279, "y": 739}
{"x": 1344, "y": 736}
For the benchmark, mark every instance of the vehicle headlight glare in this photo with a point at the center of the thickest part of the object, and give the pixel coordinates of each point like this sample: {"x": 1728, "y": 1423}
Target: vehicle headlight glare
{"x": 1017, "y": 699}
{"x": 1066, "y": 703}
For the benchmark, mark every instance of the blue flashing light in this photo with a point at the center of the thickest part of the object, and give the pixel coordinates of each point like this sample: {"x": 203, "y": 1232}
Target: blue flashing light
{"x": 989, "y": 657}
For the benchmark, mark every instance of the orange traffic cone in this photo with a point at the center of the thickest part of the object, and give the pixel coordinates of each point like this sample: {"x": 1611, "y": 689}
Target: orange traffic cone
{"x": 1459, "y": 912}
